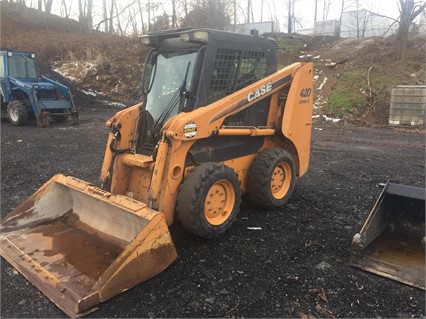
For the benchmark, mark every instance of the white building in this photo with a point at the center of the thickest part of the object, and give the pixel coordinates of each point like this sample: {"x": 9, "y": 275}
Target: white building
{"x": 363, "y": 23}
{"x": 328, "y": 27}
{"x": 261, "y": 27}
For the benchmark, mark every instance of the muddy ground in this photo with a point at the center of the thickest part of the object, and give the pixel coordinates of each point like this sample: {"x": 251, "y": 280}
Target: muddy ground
{"x": 293, "y": 265}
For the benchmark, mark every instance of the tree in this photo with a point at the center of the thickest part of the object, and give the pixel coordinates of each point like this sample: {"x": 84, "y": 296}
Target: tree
{"x": 65, "y": 8}
{"x": 290, "y": 4}
{"x": 325, "y": 9}
{"x": 48, "y": 5}
{"x": 141, "y": 14}
{"x": 208, "y": 13}
{"x": 409, "y": 10}
{"x": 174, "y": 15}
{"x": 292, "y": 21}
{"x": 248, "y": 10}
{"x": 161, "y": 23}
{"x": 85, "y": 14}
{"x": 111, "y": 20}
{"x": 105, "y": 15}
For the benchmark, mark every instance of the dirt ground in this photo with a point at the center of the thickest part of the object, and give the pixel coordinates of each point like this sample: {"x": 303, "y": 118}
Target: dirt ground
{"x": 293, "y": 265}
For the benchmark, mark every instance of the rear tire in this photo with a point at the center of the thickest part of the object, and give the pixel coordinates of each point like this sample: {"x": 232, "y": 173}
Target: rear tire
{"x": 17, "y": 113}
{"x": 271, "y": 178}
{"x": 209, "y": 200}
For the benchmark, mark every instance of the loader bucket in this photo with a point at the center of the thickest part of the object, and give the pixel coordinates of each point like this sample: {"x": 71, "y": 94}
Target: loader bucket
{"x": 391, "y": 242}
{"x": 81, "y": 245}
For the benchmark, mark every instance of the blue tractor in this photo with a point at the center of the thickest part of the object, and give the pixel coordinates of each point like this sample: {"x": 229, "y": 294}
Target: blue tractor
{"x": 24, "y": 94}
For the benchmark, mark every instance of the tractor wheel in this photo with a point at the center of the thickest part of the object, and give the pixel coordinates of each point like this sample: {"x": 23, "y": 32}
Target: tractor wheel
{"x": 209, "y": 200}
{"x": 271, "y": 178}
{"x": 17, "y": 112}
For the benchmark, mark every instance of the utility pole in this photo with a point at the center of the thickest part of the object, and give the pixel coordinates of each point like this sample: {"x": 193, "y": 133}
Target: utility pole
{"x": 261, "y": 12}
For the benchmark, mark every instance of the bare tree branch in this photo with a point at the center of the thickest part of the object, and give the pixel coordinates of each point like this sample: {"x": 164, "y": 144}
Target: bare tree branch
{"x": 113, "y": 17}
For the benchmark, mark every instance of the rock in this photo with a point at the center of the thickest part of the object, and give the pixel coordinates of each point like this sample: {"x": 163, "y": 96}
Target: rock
{"x": 195, "y": 305}
{"x": 323, "y": 265}
{"x": 224, "y": 292}
{"x": 210, "y": 300}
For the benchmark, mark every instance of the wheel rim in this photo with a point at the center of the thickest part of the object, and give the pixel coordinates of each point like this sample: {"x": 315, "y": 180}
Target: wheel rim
{"x": 14, "y": 114}
{"x": 219, "y": 202}
{"x": 281, "y": 180}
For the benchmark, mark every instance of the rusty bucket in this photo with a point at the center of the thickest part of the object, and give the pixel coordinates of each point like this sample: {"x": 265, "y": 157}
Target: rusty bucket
{"x": 391, "y": 242}
{"x": 81, "y": 245}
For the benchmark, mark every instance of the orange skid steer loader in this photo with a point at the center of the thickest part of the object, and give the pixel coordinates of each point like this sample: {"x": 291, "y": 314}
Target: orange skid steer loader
{"x": 217, "y": 120}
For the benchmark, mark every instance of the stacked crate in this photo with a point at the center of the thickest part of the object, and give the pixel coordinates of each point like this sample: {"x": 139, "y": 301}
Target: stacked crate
{"x": 408, "y": 105}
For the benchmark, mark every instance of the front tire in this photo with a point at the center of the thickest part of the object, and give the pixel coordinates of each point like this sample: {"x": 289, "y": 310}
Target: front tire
{"x": 271, "y": 178}
{"x": 209, "y": 200}
{"x": 17, "y": 113}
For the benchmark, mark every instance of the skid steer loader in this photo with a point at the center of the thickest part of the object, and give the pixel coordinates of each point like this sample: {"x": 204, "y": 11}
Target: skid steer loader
{"x": 217, "y": 120}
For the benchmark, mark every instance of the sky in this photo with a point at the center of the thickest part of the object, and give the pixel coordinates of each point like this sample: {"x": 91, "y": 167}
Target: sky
{"x": 304, "y": 9}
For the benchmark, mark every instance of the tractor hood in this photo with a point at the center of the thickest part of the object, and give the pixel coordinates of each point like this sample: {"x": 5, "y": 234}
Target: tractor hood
{"x": 33, "y": 83}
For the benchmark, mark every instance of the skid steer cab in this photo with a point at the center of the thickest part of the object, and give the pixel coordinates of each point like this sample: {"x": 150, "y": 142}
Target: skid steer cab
{"x": 25, "y": 95}
{"x": 217, "y": 121}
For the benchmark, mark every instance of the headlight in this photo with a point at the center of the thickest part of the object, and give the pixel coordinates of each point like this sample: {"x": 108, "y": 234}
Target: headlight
{"x": 146, "y": 40}
{"x": 201, "y": 36}
{"x": 184, "y": 37}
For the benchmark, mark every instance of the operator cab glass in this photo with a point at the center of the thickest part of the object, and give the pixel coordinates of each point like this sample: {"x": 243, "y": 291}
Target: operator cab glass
{"x": 21, "y": 66}
{"x": 167, "y": 77}
{"x": 167, "y": 88}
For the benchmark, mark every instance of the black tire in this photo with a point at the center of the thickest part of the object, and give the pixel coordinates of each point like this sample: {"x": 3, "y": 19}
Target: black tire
{"x": 203, "y": 217}
{"x": 271, "y": 178}
{"x": 17, "y": 112}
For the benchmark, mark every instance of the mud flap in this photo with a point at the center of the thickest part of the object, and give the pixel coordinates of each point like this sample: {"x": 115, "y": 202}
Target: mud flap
{"x": 391, "y": 242}
{"x": 81, "y": 245}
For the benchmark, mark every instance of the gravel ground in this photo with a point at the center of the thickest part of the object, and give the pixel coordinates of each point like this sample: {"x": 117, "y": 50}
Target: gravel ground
{"x": 286, "y": 263}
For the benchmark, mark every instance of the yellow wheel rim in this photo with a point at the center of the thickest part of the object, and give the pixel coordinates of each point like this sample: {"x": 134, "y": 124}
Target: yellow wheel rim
{"x": 219, "y": 202}
{"x": 281, "y": 180}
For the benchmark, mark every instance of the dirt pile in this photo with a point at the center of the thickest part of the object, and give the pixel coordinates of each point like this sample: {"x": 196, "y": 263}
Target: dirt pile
{"x": 354, "y": 77}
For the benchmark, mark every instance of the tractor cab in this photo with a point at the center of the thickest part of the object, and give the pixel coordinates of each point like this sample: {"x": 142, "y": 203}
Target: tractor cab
{"x": 20, "y": 66}
{"x": 191, "y": 68}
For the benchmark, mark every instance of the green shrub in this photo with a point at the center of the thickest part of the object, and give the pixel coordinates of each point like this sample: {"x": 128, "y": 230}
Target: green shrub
{"x": 346, "y": 103}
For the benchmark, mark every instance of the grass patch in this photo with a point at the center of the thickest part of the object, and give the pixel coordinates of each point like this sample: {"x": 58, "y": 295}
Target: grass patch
{"x": 347, "y": 99}
{"x": 292, "y": 47}
{"x": 346, "y": 104}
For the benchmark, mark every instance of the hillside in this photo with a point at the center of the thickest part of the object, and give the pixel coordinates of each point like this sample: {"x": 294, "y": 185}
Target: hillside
{"x": 353, "y": 77}
{"x": 95, "y": 63}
